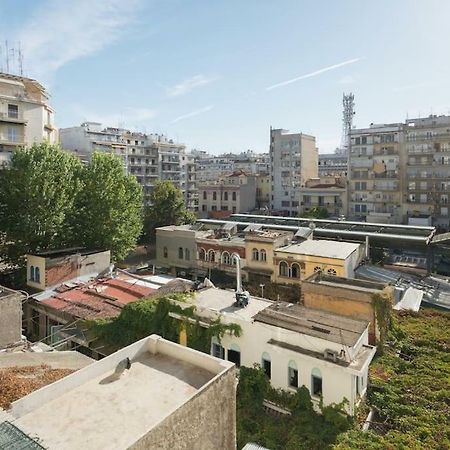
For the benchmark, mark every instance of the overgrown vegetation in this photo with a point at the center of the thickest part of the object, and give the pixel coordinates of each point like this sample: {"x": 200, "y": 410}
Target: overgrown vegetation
{"x": 151, "y": 316}
{"x": 382, "y": 305}
{"x": 316, "y": 213}
{"x": 410, "y": 386}
{"x": 304, "y": 429}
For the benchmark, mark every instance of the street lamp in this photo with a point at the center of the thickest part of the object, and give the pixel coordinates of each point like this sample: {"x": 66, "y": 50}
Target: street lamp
{"x": 262, "y": 290}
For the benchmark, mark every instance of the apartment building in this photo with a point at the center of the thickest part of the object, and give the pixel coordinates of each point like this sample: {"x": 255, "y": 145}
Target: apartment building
{"x": 149, "y": 157}
{"x": 376, "y": 173}
{"x": 293, "y": 160}
{"x": 333, "y": 165}
{"x": 427, "y": 143}
{"x": 25, "y": 115}
{"x": 230, "y": 194}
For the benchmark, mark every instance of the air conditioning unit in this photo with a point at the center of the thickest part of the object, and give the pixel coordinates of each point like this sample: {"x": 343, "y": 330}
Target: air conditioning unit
{"x": 331, "y": 355}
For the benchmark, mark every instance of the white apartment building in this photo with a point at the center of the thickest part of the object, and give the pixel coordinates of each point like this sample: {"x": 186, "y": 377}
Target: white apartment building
{"x": 333, "y": 165}
{"x": 25, "y": 115}
{"x": 149, "y": 157}
{"x": 295, "y": 346}
{"x": 376, "y": 178}
{"x": 293, "y": 161}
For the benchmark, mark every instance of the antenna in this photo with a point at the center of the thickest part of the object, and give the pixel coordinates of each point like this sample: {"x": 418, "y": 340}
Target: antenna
{"x": 7, "y": 56}
{"x": 348, "y": 111}
{"x": 20, "y": 59}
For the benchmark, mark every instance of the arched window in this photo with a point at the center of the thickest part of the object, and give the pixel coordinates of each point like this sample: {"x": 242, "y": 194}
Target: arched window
{"x": 263, "y": 255}
{"x": 165, "y": 252}
{"x": 316, "y": 383}
{"x": 31, "y": 273}
{"x": 187, "y": 254}
{"x": 234, "y": 196}
{"x": 284, "y": 269}
{"x": 37, "y": 275}
{"x": 226, "y": 258}
{"x": 214, "y": 195}
{"x": 233, "y": 259}
{"x": 255, "y": 254}
{"x": 211, "y": 256}
{"x": 180, "y": 252}
{"x": 331, "y": 272}
{"x": 225, "y": 196}
{"x": 266, "y": 364}
{"x": 295, "y": 270}
{"x": 202, "y": 254}
{"x": 317, "y": 269}
{"x": 292, "y": 375}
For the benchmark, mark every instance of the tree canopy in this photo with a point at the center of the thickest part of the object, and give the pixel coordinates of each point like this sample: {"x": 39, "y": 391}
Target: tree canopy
{"x": 168, "y": 208}
{"x": 316, "y": 213}
{"x": 49, "y": 200}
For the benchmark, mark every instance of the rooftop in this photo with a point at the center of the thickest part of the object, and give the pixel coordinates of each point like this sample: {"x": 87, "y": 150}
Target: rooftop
{"x": 65, "y": 252}
{"x": 322, "y": 248}
{"x": 106, "y": 405}
{"x": 346, "y": 283}
{"x": 312, "y": 322}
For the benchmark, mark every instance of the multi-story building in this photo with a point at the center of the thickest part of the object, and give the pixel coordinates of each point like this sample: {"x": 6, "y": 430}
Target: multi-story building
{"x": 25, "y": 115}
{"x": 333, "y": 165}
{"x": 293, "y": 160}
{"x": 189, "y": 181}
{"x": 427, "y": 144}
{"x": 263, "y": 191}
{"x": 233, "y": 193}
{"x": 376, "y": 175}
{"x": 149, "y": 157}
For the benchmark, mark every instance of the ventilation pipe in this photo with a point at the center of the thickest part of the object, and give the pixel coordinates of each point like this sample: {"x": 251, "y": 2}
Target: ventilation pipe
{"x": 242, "y": 297}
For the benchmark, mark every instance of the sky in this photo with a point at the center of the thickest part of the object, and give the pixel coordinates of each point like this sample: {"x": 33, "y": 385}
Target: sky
{"x": 216, "y": 75}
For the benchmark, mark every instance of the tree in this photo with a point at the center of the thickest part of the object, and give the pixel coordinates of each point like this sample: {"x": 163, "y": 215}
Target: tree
{"x": 316, "y": 213}
{"x": 37, "y": 195}
{"x": 109, "y": 207}
{"x": 168, "y": 208}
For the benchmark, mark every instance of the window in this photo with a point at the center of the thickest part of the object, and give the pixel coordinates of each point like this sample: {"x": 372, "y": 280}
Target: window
{"x": 12, "y": 134}
{"x": 31, "y": 273}
{"x": 218, "y": 351}
{"x": 255, "y": 254}
{"x": 187, "y": 254}
{"x": 266, "y": 364}
{"x": 263, "y": 255}
{"x": 202, "y": 254}
{"x": 364, "y": 140}
{"x": 284, "y": 270}
{"x": 292, "y": 375}
{"x": 444, "y": 211}
{"x": 234, "y": 209}
{"x": 204, "y": 195}
{"x": 180, "y": 252}
{"x": 226, "y": 258}
{"x": 13, "y": 111}
{"x": 165, "y": 252}
{"x": 316, "y": 383}
{"x": 203, "y": 207}
{"x": 331, "y": 272}
{"x": 295, "y": 270}
{"x": 37, "y": 275}
{"x": 225, "y": 196}
{"x": 317, "y": 269}
{"x": 211, "y": 255}
{"x": 234, "y": 354}
{"x": 233, "y": 197}
{"x": 214, "y": 195}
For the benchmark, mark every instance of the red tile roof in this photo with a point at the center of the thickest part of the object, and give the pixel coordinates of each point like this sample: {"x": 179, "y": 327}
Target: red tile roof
{"x": 101, "y": 299}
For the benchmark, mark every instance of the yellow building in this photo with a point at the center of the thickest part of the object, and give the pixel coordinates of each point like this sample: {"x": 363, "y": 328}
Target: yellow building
{"x": 259, "y": 250}
{"x": 298, "y": 261}
{"x": 263, "y": 191}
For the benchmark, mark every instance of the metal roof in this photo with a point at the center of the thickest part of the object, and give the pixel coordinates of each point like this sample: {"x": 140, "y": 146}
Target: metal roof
{"x": 13, "y": 438}
{"x": 253, "y": 446}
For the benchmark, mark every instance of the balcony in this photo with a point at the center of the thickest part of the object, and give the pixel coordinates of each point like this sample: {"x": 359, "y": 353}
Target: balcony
{"x": 385, "y": 187}
{"x": 12, "y": 117}
{"x": 9, "y": 139}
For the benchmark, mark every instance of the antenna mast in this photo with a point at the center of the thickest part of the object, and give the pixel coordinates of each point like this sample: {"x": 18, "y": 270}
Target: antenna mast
{"x": 348, "y": 111}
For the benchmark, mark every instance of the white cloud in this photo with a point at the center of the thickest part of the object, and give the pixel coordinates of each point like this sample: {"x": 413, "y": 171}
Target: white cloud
{"x": 312, "y": 74}
{"x": 193, "y": 113}
{"x": 63, "y": 31}
{"x": 347, "y": 79}
{"x": 188, "y": 85}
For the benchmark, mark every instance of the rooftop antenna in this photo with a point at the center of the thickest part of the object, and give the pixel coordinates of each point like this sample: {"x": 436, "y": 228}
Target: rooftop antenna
{"x": 7, "y": 56}
{"x": 20, "y": 59}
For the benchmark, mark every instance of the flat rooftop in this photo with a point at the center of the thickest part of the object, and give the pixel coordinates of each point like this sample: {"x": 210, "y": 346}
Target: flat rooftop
{"x": 321, "y": 248}
{"x": 222, "y": 302}
{"x": 99, "y": 409}
{"x": 312, "y": 322}
{"x": 345, "y": 283}
{"x": 66, "y": 252}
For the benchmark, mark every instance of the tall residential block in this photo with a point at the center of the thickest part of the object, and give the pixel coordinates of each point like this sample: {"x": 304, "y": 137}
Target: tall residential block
{"x": 25, "y": 115}
{"x": 149, "y": 157}
{"x": 293, "y": 161}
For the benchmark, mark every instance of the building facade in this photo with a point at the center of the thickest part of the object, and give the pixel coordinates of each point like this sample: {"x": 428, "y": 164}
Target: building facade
{"x": 26, "y": 116}
{"x": 149, "y": 157}
{"x": 333, "y": 165}
{"x": 293, "y": 160}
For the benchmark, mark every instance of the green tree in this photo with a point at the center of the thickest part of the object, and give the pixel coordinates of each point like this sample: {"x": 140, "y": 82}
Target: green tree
{"x": 37, "y": 194}
{"x": 168, "y": 208}
{"x": 109, "y": 207}
{"x": 316, "y": 213}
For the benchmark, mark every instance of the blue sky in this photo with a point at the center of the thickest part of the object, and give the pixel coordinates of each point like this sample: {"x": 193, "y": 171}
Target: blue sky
{"x": 216, "y": 74}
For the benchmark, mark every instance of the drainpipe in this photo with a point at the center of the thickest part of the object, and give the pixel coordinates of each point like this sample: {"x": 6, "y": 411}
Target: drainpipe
{"x": 367, "y": 248}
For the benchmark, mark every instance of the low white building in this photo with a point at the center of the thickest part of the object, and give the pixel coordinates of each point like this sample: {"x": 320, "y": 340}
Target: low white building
{"x": 153, "y": 394}
{"x": 327, "y": 353}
